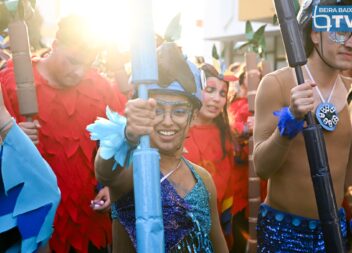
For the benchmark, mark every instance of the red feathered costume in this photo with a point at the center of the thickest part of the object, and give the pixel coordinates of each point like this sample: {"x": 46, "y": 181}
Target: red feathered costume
{"x": 238, "y": 114}
{"x": 66, "y": 146}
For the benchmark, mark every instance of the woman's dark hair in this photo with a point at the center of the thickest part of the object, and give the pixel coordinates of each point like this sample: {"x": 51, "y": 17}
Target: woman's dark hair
{"x": 222, "y": 120}
{"x": 241, "y": 78}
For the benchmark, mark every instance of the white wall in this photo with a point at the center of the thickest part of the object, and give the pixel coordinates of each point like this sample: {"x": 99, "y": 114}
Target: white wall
{"x": 221, "y": 19}
{"x": 221, "y": 22}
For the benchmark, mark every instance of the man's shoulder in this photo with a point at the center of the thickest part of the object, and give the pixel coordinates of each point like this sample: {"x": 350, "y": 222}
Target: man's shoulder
{"x": 283, "y": 77}
{"x": 284, "y": 72}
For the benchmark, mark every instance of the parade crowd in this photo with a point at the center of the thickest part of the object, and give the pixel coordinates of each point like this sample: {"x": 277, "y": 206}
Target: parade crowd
{"x": 66, "y": 181}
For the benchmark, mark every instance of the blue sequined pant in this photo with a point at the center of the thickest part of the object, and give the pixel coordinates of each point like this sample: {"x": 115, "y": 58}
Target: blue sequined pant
{"x": 280, "y": 232}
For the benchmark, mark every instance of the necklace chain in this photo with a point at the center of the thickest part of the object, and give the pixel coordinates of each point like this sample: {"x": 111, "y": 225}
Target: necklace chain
{"x": 318, "y": 90}
{"x": 169, "y": 174}
{"x": 325, "y": 113}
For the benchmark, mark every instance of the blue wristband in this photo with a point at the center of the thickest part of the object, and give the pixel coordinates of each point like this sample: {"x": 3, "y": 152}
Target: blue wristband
{"x": 288, "y": 125}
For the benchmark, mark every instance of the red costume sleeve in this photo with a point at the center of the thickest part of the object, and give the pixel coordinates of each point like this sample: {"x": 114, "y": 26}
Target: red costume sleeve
{"x": 239, "y": 114}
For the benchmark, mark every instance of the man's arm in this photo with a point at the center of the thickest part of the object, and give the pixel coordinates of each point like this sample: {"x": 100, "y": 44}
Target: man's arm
{"x": 270, "y": 149}
{"x": 270, "y": 146}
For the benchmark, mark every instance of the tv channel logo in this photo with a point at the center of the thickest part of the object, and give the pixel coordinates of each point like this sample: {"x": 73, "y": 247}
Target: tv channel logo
{"x": 332, "y": 18}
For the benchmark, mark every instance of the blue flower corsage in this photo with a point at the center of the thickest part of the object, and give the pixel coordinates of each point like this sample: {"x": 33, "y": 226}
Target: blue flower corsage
{"x": 288, "y": 125}
{"x": 111, "y": 134}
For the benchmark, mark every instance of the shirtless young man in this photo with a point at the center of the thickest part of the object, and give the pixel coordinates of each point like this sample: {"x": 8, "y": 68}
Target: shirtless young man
{"x": 288, "y": 219}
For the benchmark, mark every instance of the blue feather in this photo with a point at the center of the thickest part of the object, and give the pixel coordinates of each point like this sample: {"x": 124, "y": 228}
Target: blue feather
{"x": 111, "y": 134}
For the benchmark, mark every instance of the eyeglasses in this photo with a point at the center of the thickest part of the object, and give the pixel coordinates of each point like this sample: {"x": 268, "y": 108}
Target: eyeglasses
{"x": 179, "y": 113}
{"x": 340, "y": 37}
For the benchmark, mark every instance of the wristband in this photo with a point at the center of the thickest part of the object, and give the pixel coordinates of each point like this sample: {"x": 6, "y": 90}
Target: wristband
{"x": 2, "y": 128}
{"x": 132, "y": 144}
{"x": 111, "y": 134}
{"x": 288, "y": 125}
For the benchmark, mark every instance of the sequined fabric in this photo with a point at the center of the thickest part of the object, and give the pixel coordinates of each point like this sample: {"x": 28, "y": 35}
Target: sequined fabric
{"x": 284, "y": 232}
{"x": 187, "y": 220}
{"x": 198, "y": 199}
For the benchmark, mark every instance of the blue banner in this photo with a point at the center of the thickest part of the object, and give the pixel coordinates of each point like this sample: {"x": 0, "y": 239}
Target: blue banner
{"x": 332, "y": 18}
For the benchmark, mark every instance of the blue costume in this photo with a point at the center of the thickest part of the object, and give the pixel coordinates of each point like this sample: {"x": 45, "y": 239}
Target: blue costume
{"x": 187, "y": 220}
{"x": 29, "y": 194}
{"x": 283, "y": 232}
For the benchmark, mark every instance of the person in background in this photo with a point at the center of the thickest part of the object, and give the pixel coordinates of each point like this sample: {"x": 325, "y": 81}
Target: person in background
{"x": 241, "y": 128}
{"x": 112, "y": 64}
{"x": 241, "y": 122}
{"x": 29, "y": 194}
{"x": 189, "y": 208}
{"x": 71, "y": 94}
{"x": 209, "y": 143}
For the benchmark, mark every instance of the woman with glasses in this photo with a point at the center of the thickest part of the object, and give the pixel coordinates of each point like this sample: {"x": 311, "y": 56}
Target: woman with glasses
{"x": 189, "y": 209}
{"x": 209, "y": 142}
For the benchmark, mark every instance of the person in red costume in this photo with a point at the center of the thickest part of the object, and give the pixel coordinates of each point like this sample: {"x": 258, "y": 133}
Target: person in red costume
{"x": 210, "y": 145}
{"x": 70, "y": 96}
{"x": 241, "y": 121}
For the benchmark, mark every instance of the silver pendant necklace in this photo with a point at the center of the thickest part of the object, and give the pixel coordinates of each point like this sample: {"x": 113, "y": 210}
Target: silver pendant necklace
{"x": 325, "y": 113}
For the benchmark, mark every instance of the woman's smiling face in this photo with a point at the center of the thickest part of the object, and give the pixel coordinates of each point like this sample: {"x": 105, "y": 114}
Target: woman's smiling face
{"x": 172, "y": 120}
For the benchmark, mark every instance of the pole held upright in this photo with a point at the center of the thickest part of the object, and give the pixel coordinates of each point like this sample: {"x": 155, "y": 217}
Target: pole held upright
{"x": 313, "y": 136}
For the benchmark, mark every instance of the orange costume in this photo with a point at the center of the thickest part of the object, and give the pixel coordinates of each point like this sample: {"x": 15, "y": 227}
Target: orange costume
{"x": 66, "y": 146}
